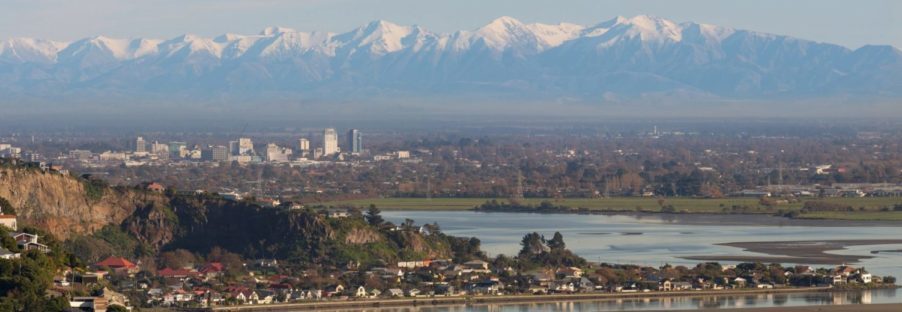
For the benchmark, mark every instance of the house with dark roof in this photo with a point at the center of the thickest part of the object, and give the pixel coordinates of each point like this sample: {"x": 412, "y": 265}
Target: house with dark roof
{"x": 28, "y": 241}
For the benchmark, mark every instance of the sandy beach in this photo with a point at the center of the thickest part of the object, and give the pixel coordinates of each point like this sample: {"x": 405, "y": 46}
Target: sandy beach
{"x": 807, "y": 252}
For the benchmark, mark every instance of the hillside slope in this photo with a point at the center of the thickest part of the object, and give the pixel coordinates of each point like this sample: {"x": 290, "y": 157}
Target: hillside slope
{"x": 74, "y": 209}
{"x": 64, "y": 205}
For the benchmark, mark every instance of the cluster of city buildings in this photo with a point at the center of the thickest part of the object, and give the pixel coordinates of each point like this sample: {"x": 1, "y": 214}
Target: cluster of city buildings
{"x": 242, "y": 150}
{"x": 9, "y": 151}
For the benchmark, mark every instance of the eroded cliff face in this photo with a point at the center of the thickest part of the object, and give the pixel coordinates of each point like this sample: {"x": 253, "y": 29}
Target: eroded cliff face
{"x": 68, "y": 207}
{"x": 61, "y": 205}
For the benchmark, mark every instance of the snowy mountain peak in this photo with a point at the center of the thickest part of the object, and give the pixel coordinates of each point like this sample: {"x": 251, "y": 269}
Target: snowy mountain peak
{"x": 189, "y": 45}
{"x": 378, "y": 37}
{"x": 648, "y": 28}
{"x": 503, "y": 23}
{"x": 384, "y": 27}
{"x": 30, "y": 50}
{"x": 98, "y": 50}
{"x": 621, "y": 56}
{"x": 505, "y": 33}
{"x": 275, "y": 30}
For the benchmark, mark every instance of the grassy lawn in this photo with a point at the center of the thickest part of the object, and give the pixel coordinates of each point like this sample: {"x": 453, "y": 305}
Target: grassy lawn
{"x": 683, "y": 205}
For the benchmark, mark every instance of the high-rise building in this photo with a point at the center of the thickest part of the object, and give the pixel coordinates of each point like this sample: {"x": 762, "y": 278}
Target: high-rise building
{"x": 304, "y": 144}
{"x": 140, "y": 146}
{"x": 219, "y": 153}
{"x": 245, "y": 146}
{"x": 178, "y": 149}
{"x": 159, "y": 148}
{"x": 330, "y": 142}
{"x": 233, "y": 148}
{"x": 355, "y": 141}
{"x": 275, "y": 153}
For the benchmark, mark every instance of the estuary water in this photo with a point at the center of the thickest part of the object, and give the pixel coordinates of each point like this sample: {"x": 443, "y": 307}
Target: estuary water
{"x": 877, "y": 296}
{"x": 657, "y": 239}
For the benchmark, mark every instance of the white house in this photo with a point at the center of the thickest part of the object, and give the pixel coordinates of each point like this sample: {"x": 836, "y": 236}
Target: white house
{"x": 8, "y": 221}
{"x": 6, "y": 254}
{"x": 361, "y": 292}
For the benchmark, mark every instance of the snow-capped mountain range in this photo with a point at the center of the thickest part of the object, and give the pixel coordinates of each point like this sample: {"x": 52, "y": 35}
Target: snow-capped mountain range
{"x": 618, "y": 58}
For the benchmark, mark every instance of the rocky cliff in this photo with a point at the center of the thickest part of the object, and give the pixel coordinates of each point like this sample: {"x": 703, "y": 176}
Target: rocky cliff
{"x": 64, "y": 205}
{"x": 140, "y": 222}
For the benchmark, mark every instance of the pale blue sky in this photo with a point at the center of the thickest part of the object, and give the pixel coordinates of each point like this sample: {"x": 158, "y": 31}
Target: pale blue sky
{"x": 849, "y": 23}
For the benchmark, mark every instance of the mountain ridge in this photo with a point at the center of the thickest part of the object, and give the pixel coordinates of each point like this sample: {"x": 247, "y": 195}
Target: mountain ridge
{"x": 619, "y": 58}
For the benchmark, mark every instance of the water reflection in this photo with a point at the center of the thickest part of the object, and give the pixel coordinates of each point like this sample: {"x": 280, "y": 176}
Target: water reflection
{"x": 675, "y": 303}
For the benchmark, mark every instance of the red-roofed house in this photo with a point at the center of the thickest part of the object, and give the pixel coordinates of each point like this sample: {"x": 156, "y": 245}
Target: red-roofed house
{"x": 176, "y": 273}
{"x": 118, "y": 264}
{"x": 212, "y": 270}
{"x": 155, "y": 187}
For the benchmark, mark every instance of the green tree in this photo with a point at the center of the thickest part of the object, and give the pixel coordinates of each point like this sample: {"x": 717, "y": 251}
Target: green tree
{"x": 116, "y": 308}
{"x": 7, "y": 207}
{"x": 557, "y": 242}
{"x": 532, "y": 244}
{"x": 373, "y": 216}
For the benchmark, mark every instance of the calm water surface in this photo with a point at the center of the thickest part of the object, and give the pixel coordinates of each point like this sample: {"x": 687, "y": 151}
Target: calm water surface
{"x": 657, "y": 239}
{"x": 680, "y": 303}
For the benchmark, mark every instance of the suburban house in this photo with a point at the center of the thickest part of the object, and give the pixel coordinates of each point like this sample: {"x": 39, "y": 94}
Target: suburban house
{"x": 155, "y": 187}
{"x": 118, "y": 264}
{"x": 180, "y": 273}
{"x": 394, "y": 293}
{"x": 475, "y": 266}
{"x": 334, "y": 290}
{"x": 28, "y": 241}
{"x": 8, "y": 221}
{"x": 570, "y": 272}
{"x": 361, "y": 292}
{"x": 212, "y": 270}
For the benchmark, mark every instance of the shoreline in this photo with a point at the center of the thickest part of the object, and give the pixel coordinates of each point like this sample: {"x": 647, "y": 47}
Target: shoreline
{"x": 801, "y": 252}
{"x": 512, "y": 299}
{"x": 643, "y": 205}
{"x": 691, "y": 218}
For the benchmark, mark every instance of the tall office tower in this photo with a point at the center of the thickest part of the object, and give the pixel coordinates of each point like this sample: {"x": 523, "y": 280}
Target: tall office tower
{"x": 355, "y": 141}
{"x": 233, "y": 148}
{"x": 304, "y": 144}
{"x": 140, "y": 145}
{"x": 330, "y": 142}
{"x": 220, "y": 153}
{"x": 245, "y": 146}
